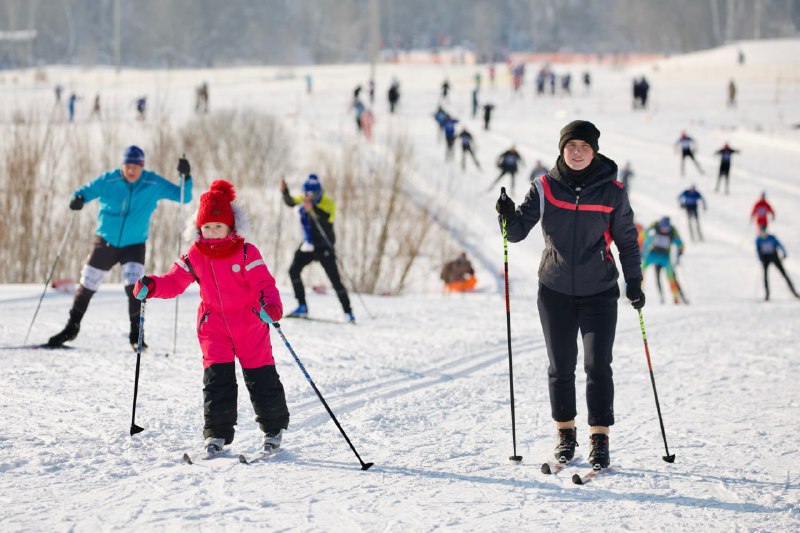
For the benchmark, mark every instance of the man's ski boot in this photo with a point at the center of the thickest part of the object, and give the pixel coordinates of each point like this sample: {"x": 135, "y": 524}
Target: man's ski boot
{"x": 565, "y": 449}
{"x": 598, "y": 454}
{"x": 271, "y": 441}
{"x": 350, "y": 317}
{"x": 300, "y": 312}
{"x": 69, "y": 333}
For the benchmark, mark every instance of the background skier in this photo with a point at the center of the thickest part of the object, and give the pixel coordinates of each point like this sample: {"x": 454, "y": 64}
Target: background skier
{"x": 724, "y": 154}
{"x": 128, "y": 196}
{"x": 762, "y": 211}
{"x": 690, "y": 200}
{"x": 767, "y": 247}
{"x": 659, "y": 239}
{"x": 687, "y": 147}
{"x": 317, "y": 212}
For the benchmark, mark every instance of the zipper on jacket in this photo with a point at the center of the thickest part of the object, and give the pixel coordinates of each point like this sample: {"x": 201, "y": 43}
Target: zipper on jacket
{"x": 203, "y": 320}
{"x": 125, "y": 216}
{"x": 222, "y": 310}
{"x": 574, "y": 233}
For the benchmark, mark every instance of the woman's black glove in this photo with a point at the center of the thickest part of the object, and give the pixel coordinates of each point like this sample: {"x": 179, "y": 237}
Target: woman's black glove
{"x": 635, "y": 294}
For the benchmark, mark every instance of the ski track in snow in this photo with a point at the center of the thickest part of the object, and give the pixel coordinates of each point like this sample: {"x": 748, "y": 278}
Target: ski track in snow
{"x": 422, "y": 389}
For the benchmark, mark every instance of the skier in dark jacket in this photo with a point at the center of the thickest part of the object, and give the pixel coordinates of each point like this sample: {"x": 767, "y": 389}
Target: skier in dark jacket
{"x": 128, "y": 196}
{"x": 724, "y": 154}
{"x": 487, "y": 115}
{"x": 508, "y": 162}
{"x": 317, "y": 212}
{"x": 582, "y": 209}
{"x": 688, "y": 146}
{"x": 767, "y": 247}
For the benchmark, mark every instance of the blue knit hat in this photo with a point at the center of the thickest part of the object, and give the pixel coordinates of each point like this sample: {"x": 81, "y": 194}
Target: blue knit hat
{"x": 133, "y": 156}
{"x": 312, "y": 185}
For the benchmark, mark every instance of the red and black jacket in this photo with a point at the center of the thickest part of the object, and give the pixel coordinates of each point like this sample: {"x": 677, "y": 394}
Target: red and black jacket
{"x": 579, "y": 223}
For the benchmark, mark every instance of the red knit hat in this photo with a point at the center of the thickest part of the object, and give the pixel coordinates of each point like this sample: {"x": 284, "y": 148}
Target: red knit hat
{"x": 215, "y": 205}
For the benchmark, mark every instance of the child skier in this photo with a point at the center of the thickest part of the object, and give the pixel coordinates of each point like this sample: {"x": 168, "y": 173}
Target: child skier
{"x": 767, "y": 247}
{"x": 690, "y": 200}
{"x": 239, "y": 300}
{"x": 658, "y": 242}
{"x": 317, "y": 211}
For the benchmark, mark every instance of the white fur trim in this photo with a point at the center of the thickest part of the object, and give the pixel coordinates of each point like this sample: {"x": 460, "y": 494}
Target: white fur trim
{"x": 191, "y": 232}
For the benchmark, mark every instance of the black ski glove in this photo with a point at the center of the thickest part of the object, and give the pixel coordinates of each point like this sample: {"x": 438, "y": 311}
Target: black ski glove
{"x": 184, "y": 168}
{"x": 635, "y": 294}
{"x": 505, "y": 205}
{"x": 76, "y": 204}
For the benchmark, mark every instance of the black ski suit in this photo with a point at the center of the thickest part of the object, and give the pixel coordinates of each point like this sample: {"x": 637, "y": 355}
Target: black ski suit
{"x": 578, "y": 276}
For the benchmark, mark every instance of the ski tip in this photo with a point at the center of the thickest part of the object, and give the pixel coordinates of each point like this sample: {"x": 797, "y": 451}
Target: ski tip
{"x": 577, "y": 479}
{"x": 366, "y": 466}
{"x": 515, "y": 458}
{"x": 546, "y": 469}
{"x": 669, "y": 458}
{"x": 187, "y": 459}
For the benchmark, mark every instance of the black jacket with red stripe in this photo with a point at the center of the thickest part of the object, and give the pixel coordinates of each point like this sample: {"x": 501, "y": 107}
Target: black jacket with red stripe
{"x": 579, "y": 224}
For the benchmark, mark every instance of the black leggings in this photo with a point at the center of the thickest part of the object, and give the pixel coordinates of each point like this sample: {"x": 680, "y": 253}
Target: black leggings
{"x": 328, "y": 262}
{"x": 774, "y": 259}
{"x": 562, "y": 316}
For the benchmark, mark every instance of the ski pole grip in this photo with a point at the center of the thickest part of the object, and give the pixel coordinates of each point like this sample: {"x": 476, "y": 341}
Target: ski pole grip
{"x": 503, "y": 195}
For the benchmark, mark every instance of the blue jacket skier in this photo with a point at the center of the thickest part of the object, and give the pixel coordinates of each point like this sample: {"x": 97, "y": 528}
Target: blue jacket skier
{"x": 128, "y": 196}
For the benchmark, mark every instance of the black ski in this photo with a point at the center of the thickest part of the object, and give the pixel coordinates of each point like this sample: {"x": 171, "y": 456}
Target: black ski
{"x": 258, "y": 456}
{"x": 586, "y": 478}
{"x": 553, "y": 467}
{"x": 37, "y": 347}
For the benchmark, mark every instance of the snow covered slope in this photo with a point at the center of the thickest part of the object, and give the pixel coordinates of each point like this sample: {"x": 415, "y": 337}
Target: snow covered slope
{"x": 421, "y": 388}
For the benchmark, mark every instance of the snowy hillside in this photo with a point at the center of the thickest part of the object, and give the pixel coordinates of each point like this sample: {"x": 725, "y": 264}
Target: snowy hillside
{"x": 421, "y": 386}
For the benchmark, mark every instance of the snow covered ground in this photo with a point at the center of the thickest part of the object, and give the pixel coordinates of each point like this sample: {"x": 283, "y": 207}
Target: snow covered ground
{"x": 421, "y": 387}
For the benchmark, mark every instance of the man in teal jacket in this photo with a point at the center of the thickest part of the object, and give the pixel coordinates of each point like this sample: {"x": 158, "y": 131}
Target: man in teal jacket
{"x": 128, "y": 196}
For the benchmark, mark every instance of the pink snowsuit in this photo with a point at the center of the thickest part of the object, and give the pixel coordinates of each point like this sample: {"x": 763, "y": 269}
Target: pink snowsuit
{"x": 232, "y": 291}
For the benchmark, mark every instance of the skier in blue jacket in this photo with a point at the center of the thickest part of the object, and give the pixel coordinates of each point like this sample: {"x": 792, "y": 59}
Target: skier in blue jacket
{"x": 767, "y": 246}
{"x": 690, "y": 200}
{"x": 128, "y": 196}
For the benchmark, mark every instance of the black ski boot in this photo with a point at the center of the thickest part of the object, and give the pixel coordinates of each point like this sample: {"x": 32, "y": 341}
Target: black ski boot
{"x": 565, "y": 449}
{"x": 598, "y": 454}
{"x": 69, "y": 332}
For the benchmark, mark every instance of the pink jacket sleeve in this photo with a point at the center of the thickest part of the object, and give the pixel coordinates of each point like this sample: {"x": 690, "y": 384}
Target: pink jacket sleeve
{"x": 260, "y": 279}
{"x": 174, "y": 282}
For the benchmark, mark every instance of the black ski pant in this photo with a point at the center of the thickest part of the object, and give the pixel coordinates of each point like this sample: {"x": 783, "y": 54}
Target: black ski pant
{"x": 511, "y": 171}
{"x": 724, "y": 171}
{"x": 563, "y": 316}
{"x": 690, "y": 155}
{"x": 468, "y": 149}
{"x": 774, "y": 259}
{"x": 220, "y": 399}
{"x": 328, "y": 261}
{"x": 101, "y": 259}
{"x": 691, "y": 214}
